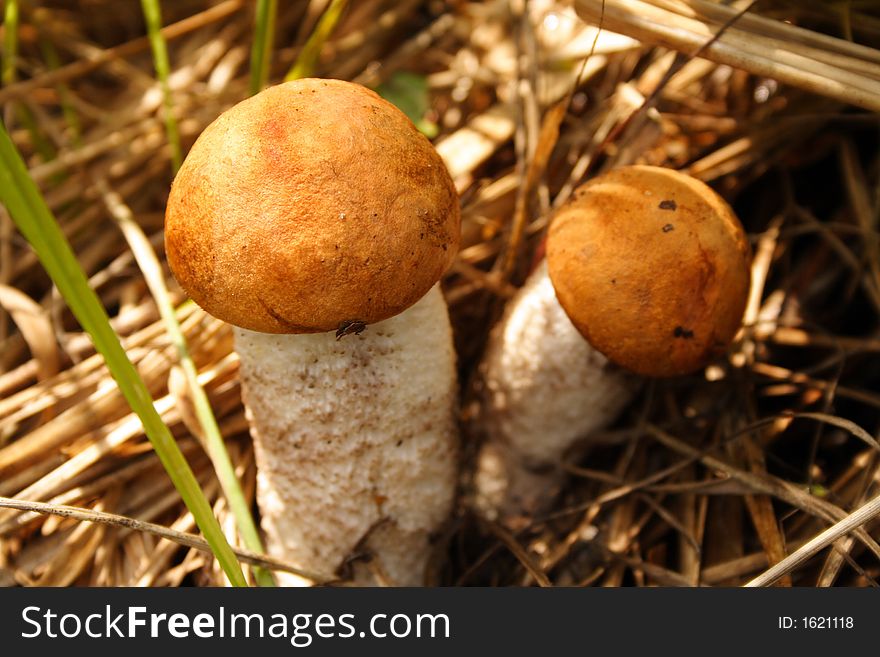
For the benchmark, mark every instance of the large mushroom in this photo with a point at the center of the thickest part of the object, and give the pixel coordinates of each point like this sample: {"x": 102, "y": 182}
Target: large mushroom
{"x": 318, "y": 221}
{"x": 647, "y": 273}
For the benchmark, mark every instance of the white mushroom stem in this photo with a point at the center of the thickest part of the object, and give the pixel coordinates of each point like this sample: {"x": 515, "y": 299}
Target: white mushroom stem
{"x": 356, "y": 443}
{"x": 545, "y": 388}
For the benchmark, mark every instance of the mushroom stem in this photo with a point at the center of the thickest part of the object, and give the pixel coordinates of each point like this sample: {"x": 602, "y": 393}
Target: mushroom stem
{"x": 545, "y": 388}
{"x": 356, "y": 443}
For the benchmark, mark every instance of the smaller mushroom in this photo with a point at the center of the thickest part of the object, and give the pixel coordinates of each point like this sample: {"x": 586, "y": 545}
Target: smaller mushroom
{"x": 647, "y": 273}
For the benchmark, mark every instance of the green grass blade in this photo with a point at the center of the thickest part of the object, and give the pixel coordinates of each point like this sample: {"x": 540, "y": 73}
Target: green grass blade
{"x": 149, "y": 264}
{"x": 10, "y": 41}
{"x": 35, "y": 221}
{"x": 41, "y": 145}
{"x": 8, "y": 75}
{"x": 53, "y": 62}
{"x": 304, "y": 66}
{"x": 261, "y": 51}
{"x": 153, "y": 17}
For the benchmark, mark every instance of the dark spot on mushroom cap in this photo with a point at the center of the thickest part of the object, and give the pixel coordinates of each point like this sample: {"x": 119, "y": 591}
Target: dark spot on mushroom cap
{"x": 668, "y": 227}
{"x": 681, "y": 332}
{"x": 668, "y": 205}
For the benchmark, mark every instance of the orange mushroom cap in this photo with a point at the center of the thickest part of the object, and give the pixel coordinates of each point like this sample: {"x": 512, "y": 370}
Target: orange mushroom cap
{"x": 652, "y": 267}
{"x": 309, "y": 206}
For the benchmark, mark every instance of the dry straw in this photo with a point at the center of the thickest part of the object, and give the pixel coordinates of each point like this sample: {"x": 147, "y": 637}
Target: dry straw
{"x": 762, "y": 46}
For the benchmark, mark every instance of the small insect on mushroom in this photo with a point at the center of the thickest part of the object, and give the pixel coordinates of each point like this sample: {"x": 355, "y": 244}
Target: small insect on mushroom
{"x": 349, "y": 327}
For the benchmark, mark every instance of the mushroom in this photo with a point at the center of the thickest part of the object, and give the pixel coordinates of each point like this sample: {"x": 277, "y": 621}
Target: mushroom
{"x": 647, "y": 273}
{"x": 318, "y": 221}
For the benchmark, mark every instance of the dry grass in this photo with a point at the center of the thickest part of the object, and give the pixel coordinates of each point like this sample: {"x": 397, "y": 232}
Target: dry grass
{"x": 705, "y": 480}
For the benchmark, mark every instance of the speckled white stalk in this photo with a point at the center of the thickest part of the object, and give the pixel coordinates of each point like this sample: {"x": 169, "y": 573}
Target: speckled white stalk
{"x": 356, "y": 442}
{"x": 545, "y": 388}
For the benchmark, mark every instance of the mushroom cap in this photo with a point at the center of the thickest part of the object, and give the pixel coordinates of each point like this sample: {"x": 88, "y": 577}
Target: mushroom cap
{"x": 652, "y": 267}
{"x": 309, "y": 206}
